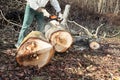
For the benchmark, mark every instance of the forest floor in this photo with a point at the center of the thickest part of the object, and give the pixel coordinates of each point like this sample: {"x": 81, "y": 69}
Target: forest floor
{"x": 101, "y": 64}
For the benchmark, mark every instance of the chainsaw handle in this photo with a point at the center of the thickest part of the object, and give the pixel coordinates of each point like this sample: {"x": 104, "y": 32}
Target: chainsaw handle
{"x": 54, "y": 17}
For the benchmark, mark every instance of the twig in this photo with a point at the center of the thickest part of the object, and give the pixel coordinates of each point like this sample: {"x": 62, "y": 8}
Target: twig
{"x": 10, "y": 69}
{"x": 8, "y": 20}
{"x": 110, "y": 36}
{"x": 19, "y": 2}
{"x": 104, "y": 35}
{"x": 111, "y": 75}
{"x": 96, "y": 33}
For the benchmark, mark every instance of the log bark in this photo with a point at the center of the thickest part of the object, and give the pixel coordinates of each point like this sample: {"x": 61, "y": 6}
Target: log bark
{"x": 35, "y": 50}
{"x": 58, "y": 36}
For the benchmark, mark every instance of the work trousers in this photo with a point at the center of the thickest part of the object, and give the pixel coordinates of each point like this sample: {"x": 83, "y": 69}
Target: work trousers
{"x": 29, "y": 15}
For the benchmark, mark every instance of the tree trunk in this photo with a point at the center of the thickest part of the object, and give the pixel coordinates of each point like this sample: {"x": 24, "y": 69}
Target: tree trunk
{"x": 116, "y": 11}
{"x": 35, "y": 50}
{"x": 58, "y": 36}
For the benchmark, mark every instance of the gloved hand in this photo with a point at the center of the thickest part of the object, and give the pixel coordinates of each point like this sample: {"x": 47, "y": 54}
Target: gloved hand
{"x": 45, "y": 13}
{"x": 60, "y": 16}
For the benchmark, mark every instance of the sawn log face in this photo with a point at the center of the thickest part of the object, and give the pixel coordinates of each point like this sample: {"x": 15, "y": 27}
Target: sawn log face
{"x": 58, "y": 36}
{"x": 34, "y": 51}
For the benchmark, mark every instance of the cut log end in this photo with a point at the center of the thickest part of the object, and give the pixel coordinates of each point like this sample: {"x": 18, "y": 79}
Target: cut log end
{"x": 61, "y": 40}
{"x": 35, "y": 52}
{"x": 94, "y": 45}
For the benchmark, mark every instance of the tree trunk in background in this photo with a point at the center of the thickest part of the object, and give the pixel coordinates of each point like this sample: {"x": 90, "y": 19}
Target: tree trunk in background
{"x": 103, "y": 6}
{"x": 98, "y": 6}
{"x": 116, "y": 11}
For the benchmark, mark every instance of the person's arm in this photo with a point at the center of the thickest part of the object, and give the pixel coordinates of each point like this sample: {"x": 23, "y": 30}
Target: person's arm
{"x": 56, "y": 5}
{"x": 33, "y": 4}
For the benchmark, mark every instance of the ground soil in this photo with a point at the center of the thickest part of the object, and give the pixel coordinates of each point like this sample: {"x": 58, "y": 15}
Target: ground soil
{"x": 74, "y": 64}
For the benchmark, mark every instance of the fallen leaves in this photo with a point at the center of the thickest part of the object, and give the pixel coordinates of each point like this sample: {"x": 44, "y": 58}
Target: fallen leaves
{"x": 91, "y": 68}
{"x": 11, "y": 52}
{"x": 74, "y": 70}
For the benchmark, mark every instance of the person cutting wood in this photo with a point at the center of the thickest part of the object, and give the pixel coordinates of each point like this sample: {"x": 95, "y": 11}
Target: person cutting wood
{"x": 36, "y": 9}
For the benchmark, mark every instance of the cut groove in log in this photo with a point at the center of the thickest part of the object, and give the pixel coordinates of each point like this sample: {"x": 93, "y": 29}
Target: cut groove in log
{"x": 34, "y": 51}
{"x": 94, "y": 45}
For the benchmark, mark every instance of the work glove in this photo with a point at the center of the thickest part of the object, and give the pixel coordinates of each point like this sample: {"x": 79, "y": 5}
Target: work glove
{"x": 45, "y": 13}
{"x": 60, "y": 16}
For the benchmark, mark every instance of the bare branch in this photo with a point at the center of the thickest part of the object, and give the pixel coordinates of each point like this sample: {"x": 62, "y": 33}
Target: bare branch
{"x": 110, "y": 36}
{"x": 97, "y": 30}
{"x": 86, "y": 30}
{"x": 8, "y": 20}
{"x": 104, "y": 35}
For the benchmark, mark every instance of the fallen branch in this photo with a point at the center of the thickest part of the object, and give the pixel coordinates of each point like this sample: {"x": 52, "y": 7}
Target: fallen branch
{"x": 8, "y": 20}
{"x": 91, "y": 38}
{"x": 110, "y": 36}
{"x": 86, "y": 30}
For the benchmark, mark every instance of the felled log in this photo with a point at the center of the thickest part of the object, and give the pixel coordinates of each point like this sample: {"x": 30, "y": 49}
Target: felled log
{"x": 86, "y": 41}
{"x": 94, "y": 45}
{"x": 35, "y": 50}
{"x": 58, "y": 36}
